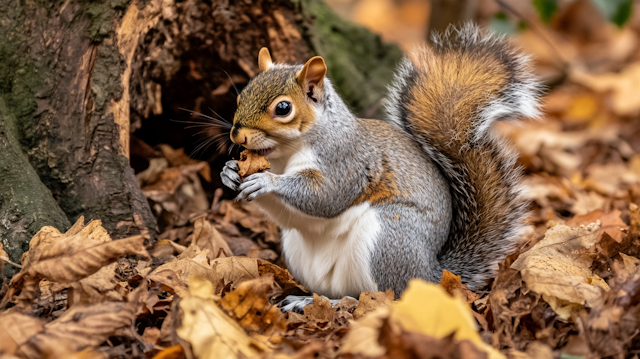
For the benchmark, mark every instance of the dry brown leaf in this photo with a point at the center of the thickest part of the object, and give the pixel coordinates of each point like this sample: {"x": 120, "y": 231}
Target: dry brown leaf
{"x": 15, "y": 331}
{"x": 282, "y": 277}
{"x": 67, "y": 258}
{"x": 178, "y": 158}
{"x": 369, "y": 302}
{"x": 249, "y": 305}
{"x": 402, "y": 344}
{"x": 72, "y": 260}
{"x": 96, "y": 288}
{"x": 169, "y": 281}
{"x": 611, "y": 179}
{"x": 78, "y": 328}
{"x": 206, "y": 236}
{"x": 610, "y": 222}
{"x": 631, "y": 264}
{"x": 623, "y": 85}
{"x": 250, "y": 163}
{"x": 210, "y": 331}
{"x": 187, "y": 267}
{"x": 222, "y": 272}
{"x": 319, "y": 314}
{"x": 81, "y": 327}
{"x": 452, "y": 284}
{"x": 559, "y": 267}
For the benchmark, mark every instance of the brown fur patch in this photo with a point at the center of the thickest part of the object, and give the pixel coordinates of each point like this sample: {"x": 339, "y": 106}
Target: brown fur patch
{"x": 313, "y": 177}
{"x": 382, "y": 187}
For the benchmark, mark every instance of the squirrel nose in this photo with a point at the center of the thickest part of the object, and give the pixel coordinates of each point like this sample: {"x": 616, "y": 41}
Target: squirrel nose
{"x": 238, "y": 137}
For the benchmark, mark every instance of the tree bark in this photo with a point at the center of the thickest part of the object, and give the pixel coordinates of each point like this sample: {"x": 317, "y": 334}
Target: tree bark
{"x": 78, "y": 77}
{"x": 62, "y": 79}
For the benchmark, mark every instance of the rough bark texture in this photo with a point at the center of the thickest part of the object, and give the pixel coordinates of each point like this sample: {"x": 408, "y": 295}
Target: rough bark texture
{"x": 77, "y": 77}
{"x": 60, "y": 75}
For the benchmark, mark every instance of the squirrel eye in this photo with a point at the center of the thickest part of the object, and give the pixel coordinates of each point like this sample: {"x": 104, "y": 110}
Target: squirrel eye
{"x": 283, "y": 108}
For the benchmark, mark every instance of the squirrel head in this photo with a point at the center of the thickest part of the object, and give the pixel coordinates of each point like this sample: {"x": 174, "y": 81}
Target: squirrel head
{"x": 278, "y": 105}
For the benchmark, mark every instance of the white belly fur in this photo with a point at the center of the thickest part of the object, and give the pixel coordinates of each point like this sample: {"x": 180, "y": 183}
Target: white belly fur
{"x": 330, "y": 256}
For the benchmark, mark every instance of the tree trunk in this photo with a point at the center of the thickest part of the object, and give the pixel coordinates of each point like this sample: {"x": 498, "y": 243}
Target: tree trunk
{"x": 78, "y": 77}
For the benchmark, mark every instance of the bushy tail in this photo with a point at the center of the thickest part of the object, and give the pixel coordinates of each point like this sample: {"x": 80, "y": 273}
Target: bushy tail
{"x": 447, "y": 101}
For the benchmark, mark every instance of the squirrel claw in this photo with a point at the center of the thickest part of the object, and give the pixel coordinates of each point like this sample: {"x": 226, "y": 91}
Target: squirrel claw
{"x": 256, "y": 185}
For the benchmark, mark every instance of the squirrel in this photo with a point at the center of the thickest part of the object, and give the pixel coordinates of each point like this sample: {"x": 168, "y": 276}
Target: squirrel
{"x": 367, "y": 205}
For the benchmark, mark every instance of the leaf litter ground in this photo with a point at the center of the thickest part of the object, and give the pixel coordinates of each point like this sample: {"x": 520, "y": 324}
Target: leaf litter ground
{"x": 209, "y": 287}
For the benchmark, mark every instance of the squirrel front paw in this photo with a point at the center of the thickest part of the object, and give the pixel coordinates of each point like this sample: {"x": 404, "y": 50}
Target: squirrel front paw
{"x": 256, "y": 185}
{"x": 230, "y": 176}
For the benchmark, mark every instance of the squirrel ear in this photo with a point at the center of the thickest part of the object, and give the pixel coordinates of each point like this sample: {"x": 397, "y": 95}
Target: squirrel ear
{"x": 264, "y": 60}
{"x": 313, "y": 72}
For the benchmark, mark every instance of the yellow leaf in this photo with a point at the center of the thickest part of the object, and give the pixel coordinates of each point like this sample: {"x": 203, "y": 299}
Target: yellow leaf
{"x": 424, "y": 308}
{"x": 211, "y": 332}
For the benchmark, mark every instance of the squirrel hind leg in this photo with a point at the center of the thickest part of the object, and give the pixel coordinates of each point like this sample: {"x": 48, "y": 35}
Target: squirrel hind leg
{"x": 409, "y": 242}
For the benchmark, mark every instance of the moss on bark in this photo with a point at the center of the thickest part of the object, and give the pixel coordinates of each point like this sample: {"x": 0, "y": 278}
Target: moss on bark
{"x": 359, "y": 63}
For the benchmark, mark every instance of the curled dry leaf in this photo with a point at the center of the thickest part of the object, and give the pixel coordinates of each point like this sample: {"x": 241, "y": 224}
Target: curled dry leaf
{"x": 282, "y": 277}
{"x": 558, "y": 267}
{"x": 15, "y": 331}
{"x": 169, "y": 282}
{"x": 64, "y": 263}
{"x": 221, "y": 272}
{"x": 88, "y": 326}
{"x": 207, "y": 236}
{"x": 251, "y": 162}
{"x": 70, "y": 257}
{"x": 610, "y": 327}
{"x": 209, "y": 330}
{"x": 249, "y": 305}
{"x": 78, "y": 328}
{"x": 368, "y": 302}
{"x": 453, "y": 285}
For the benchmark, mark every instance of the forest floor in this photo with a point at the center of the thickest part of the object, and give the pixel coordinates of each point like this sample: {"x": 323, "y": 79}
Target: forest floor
{"x": 209, "y": 287}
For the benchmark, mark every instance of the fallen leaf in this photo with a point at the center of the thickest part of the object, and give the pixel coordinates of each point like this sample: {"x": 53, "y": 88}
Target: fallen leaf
{"x": 249, "y": 305}
{"x": 622, "y": 85}
{"x": 631, "y": 264}
{"x": 369, "y": 302}
{"x": 169, "y": 281}
{"x": 452, "y": 284}
{"x": 424, "y": 308}
{"x": 15, "y": 332}
{"x": 610, "y": 222}
{"x": 212, "y": 333}
{"x": 559, "y": 265}
{"x": 206, "y": 236}
{"x": 70, "y": 257}
{"x": 85, "y": 326}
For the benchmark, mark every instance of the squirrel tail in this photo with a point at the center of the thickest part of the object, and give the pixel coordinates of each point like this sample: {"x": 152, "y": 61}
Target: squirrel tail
{"x": 447, "y": 102}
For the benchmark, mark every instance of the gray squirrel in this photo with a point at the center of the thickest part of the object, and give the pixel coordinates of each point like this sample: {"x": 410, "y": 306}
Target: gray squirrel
{"x": 367, "y": 205}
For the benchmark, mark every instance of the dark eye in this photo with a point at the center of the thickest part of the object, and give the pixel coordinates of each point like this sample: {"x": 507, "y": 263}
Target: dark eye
{"x": 283, "y": 108}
